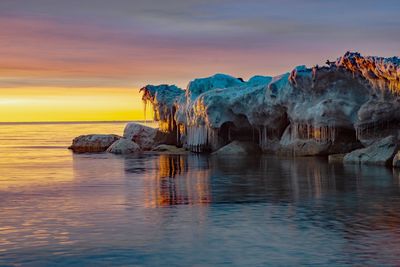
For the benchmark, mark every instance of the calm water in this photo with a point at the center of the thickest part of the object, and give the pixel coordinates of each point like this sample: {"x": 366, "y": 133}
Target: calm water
{"x": 59, "y": 209}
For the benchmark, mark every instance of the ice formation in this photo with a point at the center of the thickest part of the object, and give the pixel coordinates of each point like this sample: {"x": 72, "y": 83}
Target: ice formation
{"x": 308, "y": 111}
{"x": 162, "y": 98}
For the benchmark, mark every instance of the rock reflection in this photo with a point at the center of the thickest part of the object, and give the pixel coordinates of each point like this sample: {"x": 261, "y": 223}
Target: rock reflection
{"x": 178, "y": 179}
{"x": 193, "y": 179}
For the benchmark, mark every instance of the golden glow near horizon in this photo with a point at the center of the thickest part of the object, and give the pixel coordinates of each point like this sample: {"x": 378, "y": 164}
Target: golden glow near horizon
{"x": 70, "y": 104}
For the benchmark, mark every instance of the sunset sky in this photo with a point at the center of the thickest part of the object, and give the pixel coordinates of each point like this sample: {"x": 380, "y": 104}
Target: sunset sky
{"x": 70, "y": 60}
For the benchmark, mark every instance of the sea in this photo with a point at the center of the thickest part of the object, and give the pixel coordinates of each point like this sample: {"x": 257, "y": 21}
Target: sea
{"x": 147, "y": 209}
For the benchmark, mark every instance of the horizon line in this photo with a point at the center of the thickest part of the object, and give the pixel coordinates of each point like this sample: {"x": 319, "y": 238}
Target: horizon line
{"x": 69, "y": 122}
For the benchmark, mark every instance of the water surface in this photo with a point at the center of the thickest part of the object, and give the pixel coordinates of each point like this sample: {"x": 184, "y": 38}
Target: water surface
{"x": 60, "y": 209}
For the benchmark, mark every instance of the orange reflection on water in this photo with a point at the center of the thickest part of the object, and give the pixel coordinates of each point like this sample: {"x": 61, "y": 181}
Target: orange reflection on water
{"x": 176, "y": 182}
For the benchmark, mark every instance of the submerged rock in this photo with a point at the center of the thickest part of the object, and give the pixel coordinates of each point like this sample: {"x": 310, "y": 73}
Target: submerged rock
{"x": 123, "y": 146}
{"x": 169, "y": 148}
{"x": 381, "y": 152}
{"x": 93, "y": 143}
{"x": 336, "y": 158}
{"x": 238, "y": 148}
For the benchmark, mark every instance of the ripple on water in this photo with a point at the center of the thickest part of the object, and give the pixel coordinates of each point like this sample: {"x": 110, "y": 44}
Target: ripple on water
{"x": 57, "y": 208}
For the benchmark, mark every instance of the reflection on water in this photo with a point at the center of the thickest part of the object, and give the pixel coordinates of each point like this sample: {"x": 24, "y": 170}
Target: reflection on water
{"x": 169, "y": 185}
{"x": 57, "y": 208}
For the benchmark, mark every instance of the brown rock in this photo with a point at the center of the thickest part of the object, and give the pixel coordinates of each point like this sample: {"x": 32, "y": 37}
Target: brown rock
{"x": 93, "y": 143}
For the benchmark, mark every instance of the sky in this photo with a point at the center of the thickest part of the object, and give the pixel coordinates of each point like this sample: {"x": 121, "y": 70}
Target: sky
{"x": 71, "y": 60}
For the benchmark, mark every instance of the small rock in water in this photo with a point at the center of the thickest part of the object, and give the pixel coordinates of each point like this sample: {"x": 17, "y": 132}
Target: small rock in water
{"x": 93, "y": 143}
{"x": 336, "y": 158}
{"x": 238, "y": 148}
{"x": 169, "y": 148}
{"x": 123, "y": 146}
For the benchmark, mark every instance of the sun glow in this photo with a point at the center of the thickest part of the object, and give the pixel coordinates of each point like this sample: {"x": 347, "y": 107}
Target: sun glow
{"x": 69, "y": 104}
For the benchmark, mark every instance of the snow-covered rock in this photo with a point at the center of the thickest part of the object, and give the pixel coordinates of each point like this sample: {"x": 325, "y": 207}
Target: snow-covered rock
{"x": 238, "y": 148}
{"x": 123, "y": 146}
{"x": 93, "y": 143}
{"x": 381, "y": 152}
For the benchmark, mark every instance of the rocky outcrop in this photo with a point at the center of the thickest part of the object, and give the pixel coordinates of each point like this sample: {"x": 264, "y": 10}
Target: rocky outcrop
{"x": 93, "y": 143}
{"x": 123, "y": 146}
{"x": 381, "y": 152}
{"x": 239, "y": 148}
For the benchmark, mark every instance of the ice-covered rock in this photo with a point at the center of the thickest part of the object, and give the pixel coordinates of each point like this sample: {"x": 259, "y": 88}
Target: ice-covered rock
{"x": 309, "y": 111}
{"x": 381, "y": 152}
{"x": 163, "y": 99}
{"x": 259, "y": 80}
{"x": 238, "y": 148}
{"x": 123, "y": 146}
{"x": 93, "y": 143}
{"x": 218, "y": 81}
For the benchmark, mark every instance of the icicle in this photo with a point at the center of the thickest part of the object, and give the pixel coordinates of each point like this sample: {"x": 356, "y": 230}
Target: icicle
{"x": 145, "y": 111}
{"x": 263, "y": 140}
{"x": 200, "y": 137}
{"x": 177, "y": 134}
